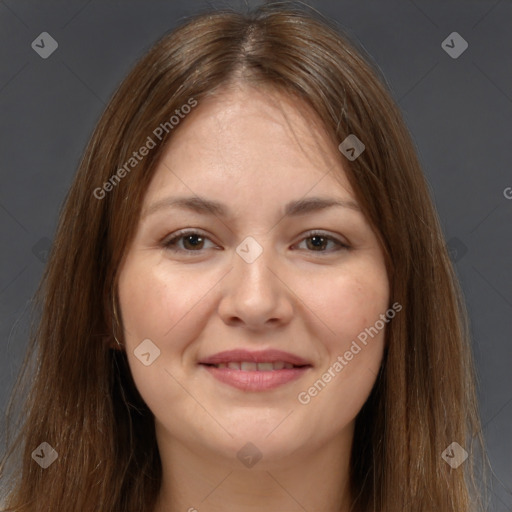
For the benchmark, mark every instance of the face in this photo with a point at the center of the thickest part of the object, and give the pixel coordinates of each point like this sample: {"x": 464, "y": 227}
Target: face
{"x": 266, "y": 276}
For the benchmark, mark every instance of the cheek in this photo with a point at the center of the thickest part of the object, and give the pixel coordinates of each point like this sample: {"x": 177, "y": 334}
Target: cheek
{"x": 158, "y": 305}
{"x": 353, "y": 345}
{"x": 156, "y": 300}
{"x": 347, "y": 302}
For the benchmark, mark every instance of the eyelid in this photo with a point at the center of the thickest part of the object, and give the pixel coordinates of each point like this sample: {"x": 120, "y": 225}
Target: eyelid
{"x": 317, "y": 232}
{"x": 169, "y": 243}
{"x": 172, "y": 240}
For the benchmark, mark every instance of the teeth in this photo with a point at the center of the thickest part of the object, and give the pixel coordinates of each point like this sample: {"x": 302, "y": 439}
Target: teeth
{"x": 250, "y": 366}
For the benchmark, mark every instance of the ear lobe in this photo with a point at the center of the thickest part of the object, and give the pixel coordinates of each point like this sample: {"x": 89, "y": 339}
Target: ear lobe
{"x": 112, "y": 323}
{"x": 112, "y": 343}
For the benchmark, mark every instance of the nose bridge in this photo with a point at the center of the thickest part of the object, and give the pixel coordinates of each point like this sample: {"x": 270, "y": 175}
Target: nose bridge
{"x": 251, "y": 263}
{"x": 253, "y": 294}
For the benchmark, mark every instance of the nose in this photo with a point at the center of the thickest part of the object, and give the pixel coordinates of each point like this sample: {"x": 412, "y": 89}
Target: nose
{"x": 254, "y": 294}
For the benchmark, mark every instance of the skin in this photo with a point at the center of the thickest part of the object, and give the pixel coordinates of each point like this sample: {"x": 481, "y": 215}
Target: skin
{"x": 254, "y": 151}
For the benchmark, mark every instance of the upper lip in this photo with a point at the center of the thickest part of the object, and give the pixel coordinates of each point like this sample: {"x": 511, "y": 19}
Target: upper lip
{"x": 261, "y": 356}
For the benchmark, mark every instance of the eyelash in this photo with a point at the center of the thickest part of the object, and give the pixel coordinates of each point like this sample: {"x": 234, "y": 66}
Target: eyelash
{"x": 171, "y": 244}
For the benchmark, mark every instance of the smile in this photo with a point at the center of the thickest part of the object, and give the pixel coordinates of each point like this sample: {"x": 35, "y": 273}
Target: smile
{"x": 256, "y": 379}
{"x": 255, "y": 371}
{"x": 250, "y": 366}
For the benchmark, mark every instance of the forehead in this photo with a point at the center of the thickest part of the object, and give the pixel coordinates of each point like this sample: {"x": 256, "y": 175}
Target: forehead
{"x": 244, "y": 138}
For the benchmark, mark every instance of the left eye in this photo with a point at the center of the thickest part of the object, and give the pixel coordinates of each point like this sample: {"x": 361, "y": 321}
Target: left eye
{"x": 319, "y": 241}
{"x": 194, "y": 241}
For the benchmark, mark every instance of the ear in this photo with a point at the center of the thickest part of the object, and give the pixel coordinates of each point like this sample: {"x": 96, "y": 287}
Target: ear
{"x": 111, "y": 324}
{"x": 111, "y": 343}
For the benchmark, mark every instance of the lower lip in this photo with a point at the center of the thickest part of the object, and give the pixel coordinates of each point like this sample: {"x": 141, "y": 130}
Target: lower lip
{"x": 256, "y": 380}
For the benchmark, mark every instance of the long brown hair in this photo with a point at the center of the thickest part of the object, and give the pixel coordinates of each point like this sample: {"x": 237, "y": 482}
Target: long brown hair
{"x": 79, "y": 394}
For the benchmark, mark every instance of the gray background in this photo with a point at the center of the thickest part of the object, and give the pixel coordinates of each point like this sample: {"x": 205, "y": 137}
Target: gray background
{"x": 458, "y": 110}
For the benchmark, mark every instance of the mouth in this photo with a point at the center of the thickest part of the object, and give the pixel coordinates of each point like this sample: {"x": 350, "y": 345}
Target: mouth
{"x": 255, "y": 371}
{"x": 250, "y": 366}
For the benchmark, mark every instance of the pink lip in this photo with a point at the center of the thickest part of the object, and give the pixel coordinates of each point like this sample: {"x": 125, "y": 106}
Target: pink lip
{"x": 262, "y": 356}
{"x": 255, "y": 380}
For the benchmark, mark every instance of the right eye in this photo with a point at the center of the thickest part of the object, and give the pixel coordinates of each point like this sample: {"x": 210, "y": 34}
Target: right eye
{"x": 193, "y": 241}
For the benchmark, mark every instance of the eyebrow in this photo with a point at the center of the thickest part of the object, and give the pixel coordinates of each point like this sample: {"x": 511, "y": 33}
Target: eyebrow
{"x": 206, "y": 206}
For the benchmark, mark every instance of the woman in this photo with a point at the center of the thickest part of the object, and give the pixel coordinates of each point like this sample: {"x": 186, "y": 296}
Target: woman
{"x": 249, "y": 304}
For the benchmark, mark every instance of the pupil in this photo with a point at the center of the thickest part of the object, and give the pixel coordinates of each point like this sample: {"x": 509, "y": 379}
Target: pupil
{"x": 193, "y": 240}
{"x": 317, "y": 241}
{"x": 196, "y": 240}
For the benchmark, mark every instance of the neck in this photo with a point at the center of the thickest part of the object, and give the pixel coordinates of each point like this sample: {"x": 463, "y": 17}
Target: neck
{"x": 312, "y": 478}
